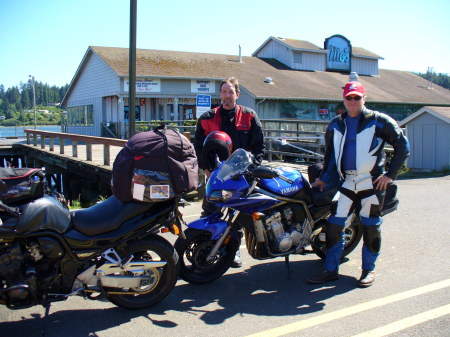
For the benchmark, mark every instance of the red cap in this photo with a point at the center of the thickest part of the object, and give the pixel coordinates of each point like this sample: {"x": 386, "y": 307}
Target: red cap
{"x": 353, "y": 88}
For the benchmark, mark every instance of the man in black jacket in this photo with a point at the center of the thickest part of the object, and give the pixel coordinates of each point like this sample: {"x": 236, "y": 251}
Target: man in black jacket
{"x": 355, "y": 159}
{"x": 240, "y": 123}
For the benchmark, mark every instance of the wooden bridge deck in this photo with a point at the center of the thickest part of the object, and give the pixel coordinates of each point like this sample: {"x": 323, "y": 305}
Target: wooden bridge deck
{"x": 98, "y": 156}
{"x": 81, "y": 165}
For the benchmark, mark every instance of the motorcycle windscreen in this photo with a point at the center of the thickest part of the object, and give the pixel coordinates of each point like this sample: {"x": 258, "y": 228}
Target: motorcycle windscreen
{"x": 279, "y": 186}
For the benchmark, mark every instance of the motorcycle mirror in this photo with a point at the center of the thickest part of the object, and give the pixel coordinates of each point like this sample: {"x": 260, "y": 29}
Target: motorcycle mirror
{"x": 3, "y": 187}
{"x": 264, "y": 172}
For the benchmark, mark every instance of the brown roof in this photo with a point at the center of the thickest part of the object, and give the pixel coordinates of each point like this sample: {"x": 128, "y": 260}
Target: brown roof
{"x": 298, "y": 44}
{"x": 357, "y": 51}
{"x": 391, "y": 86}
{"x": 441, "y": 110}
{"x": 305, "y": 45}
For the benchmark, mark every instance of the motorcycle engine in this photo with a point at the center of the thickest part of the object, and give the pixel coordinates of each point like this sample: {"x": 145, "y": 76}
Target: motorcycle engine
{"x": 14, "y": 291}
{"x": 283, "y": 230}
{"x": 25, "y": 267}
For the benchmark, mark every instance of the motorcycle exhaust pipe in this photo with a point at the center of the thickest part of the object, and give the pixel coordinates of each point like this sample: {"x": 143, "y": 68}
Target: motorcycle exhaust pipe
{"x": 136, "y": 267}
{"x": 118, "y": 281}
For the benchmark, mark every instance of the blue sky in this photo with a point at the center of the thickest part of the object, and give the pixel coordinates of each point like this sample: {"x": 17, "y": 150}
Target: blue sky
{"x": 48, "y": 38}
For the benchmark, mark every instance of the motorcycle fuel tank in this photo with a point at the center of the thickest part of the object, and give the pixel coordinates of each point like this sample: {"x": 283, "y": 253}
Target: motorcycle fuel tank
{"x": 45, "y": 213}
{"x": 279, "y": 186}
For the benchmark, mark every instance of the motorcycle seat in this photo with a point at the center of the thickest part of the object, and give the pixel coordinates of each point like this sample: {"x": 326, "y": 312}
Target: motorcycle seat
{"x": 107, "y": 215}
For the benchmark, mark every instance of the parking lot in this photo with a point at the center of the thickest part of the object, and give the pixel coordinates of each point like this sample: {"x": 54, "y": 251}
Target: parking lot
{"x": 409, "y": 298}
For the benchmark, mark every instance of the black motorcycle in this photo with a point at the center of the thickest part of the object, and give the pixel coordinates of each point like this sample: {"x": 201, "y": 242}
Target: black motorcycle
{"x": 112, "y": 249}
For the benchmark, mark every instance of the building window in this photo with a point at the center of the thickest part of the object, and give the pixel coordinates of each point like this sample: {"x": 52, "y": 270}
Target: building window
{"x": 82, "y": 115}
{"x": 298, "y": 57}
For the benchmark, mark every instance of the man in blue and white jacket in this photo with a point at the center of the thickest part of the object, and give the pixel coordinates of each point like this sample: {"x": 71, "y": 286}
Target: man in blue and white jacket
{"x": 355, "y": 159}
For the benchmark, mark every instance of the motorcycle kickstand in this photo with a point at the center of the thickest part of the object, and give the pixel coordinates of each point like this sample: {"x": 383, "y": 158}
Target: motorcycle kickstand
{"x": 286, "y": 260}
{"x": 47, "y": 309}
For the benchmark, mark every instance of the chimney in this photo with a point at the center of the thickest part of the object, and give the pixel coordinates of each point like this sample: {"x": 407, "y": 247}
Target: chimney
{"x": 240, "y": 54}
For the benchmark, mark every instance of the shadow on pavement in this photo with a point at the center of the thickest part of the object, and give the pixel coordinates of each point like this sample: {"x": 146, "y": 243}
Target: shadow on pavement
{"x": 262, "y": 289}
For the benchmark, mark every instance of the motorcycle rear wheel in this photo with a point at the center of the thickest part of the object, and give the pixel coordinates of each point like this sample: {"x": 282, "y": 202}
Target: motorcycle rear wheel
{"x": 193, "y": 252}
{"x": 153, "y": 248}
{"x": 352, "y": 236}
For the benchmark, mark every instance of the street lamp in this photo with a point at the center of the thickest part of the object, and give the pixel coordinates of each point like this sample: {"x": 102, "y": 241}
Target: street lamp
{"x": 34, "y": 100}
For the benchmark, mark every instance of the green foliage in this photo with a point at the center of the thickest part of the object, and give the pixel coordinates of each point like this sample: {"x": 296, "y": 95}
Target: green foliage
{"x": 75, "y": 204}
{"x": 190, "y": 123}
{"x": 10, "y": 122}
{"x": 440, "y": 79}
{"x": 17, "y": 102}
{"x": 13, "y": 117}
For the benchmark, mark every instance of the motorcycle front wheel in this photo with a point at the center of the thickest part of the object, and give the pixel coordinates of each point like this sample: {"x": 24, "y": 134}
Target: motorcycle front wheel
{"x": 193, "y": 252}
{"x": 352, "y": 236}
{"x": 160, "y": 280}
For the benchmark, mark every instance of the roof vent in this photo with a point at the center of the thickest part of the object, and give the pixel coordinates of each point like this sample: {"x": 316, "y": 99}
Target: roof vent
{"x": 240, "y": 54}
{"x": 353, "y": 77}
{"x": 268, "y": 80}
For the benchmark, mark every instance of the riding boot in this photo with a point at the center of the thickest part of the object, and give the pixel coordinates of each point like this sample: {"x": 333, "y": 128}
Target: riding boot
{"x": 237, "y": 263}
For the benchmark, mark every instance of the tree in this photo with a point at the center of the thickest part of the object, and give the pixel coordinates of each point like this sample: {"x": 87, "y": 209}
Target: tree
{"x": 25, "y": 97}
{"x": 13, "y": 95}
{"x": 4, "y": 107}
{"x": 440, "y": 79}
{"x": 15, "y": 99}
{"x": 2, "y": 92}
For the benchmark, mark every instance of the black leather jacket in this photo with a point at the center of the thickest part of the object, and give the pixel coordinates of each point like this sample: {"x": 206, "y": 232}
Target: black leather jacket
{"x": 245, "y": 131}
{"x": 373, "y": 131}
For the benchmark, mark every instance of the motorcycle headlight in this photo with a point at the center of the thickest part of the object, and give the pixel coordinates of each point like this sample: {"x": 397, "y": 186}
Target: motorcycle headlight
{"x": 220, "y": 195}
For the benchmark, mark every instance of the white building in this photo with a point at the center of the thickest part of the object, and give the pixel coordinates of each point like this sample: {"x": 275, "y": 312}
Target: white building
{"x": 428, "y": 131}
{"x": 284, "y": 78}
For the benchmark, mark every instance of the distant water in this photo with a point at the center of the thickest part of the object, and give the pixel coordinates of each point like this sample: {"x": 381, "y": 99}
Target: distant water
{"x": 17, "y": 131}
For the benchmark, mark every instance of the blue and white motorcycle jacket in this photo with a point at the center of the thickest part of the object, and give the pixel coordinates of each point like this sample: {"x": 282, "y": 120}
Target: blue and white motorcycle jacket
{"x": 373, "y": 131}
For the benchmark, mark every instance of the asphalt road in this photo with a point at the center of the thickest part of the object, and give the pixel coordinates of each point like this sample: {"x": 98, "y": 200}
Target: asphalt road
{"x": 410, "y": 297}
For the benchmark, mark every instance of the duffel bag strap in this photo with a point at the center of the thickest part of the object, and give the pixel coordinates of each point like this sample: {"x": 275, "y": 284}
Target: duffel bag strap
{"x": 160, "y": 128}
{"x": 166, "y": 147}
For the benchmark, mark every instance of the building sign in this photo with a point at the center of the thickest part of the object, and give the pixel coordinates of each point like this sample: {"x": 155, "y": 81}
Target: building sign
{"x": 339, "y": 53}
{"x": 145, "y": 86}
{"x": 203, "y": 104}
{"x": 323, "y": 113}
{"x": 203, "y": 87}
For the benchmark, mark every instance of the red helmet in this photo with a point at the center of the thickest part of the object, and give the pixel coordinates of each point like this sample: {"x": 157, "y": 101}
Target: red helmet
{"x": 216, "y": 143}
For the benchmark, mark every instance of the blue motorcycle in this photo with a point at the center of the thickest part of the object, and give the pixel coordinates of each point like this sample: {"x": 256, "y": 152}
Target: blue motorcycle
{"x": 276, "y": 210}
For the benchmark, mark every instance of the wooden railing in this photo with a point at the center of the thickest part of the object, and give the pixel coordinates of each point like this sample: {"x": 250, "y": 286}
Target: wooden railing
{"x": 306, "y": 145}
{"x": 32, "y": 138}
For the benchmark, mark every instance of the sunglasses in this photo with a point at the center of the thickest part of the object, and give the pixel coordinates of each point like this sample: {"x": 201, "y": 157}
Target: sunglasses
{"x": 356, "y": 98}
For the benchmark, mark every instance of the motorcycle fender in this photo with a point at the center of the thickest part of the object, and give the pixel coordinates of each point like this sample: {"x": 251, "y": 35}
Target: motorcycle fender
{"x": 210, "y": 224}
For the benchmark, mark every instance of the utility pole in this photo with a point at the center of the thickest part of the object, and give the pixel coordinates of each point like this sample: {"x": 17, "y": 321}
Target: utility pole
{"x": 132, "y": 67}
{"x": 34, "y": 100}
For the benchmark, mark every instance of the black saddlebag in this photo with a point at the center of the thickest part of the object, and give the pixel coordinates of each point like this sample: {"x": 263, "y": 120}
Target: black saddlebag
{"x": 23, "y": 184}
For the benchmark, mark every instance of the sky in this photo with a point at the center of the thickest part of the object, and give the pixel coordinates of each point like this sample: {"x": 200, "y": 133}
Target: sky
{"x": 48, "y": 38}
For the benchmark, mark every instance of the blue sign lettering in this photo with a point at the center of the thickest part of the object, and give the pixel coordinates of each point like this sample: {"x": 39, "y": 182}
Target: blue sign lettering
{"x": 204, "y": 100}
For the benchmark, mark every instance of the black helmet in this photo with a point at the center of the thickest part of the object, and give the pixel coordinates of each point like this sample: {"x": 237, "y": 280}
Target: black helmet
{"x": 217, "y": 143}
